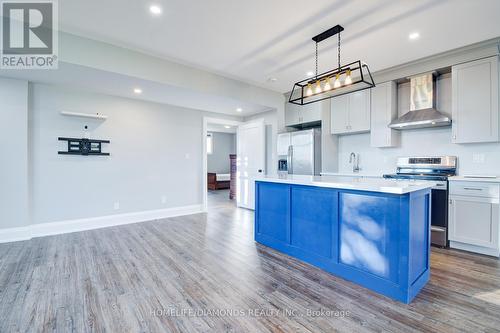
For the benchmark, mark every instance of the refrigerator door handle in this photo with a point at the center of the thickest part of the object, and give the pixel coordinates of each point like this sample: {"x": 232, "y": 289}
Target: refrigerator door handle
{"x": 289, "y": 158}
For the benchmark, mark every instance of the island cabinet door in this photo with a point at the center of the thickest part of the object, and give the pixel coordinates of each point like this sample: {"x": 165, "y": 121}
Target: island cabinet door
{"x": 369, "y": 229}
{"x": 272, "y": 213}
{"x": 312, "y": 226}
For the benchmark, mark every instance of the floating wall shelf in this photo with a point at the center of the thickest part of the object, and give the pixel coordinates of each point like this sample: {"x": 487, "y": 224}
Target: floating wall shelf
{"x": 84, "y": 115}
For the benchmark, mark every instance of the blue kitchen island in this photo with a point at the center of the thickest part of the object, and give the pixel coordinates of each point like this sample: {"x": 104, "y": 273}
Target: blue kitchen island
{"x": 373, "y": 232}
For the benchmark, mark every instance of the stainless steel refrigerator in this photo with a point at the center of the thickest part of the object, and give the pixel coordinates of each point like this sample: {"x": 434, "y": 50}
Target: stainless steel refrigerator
{"x": 299, "y": 152}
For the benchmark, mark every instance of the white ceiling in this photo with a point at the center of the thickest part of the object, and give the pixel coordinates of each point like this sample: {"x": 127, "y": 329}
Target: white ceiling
{"x": 94, "y": 80}
{"x": 255, "y": 40}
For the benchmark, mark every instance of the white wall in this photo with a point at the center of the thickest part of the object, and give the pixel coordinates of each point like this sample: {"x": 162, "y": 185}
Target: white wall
{"x": 223, "y": 145}
{"x": 156, "y": 150}
{"x": 271, "y": 123}
{"x": 426, "y": 142}
{"x": 14, "y": 196}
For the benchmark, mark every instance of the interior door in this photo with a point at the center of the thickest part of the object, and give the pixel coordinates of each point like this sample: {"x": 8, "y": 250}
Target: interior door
{"x": 250, "y": 162}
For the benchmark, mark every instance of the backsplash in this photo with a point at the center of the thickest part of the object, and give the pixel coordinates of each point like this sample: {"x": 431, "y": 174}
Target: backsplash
{"x": 481, "y": 158}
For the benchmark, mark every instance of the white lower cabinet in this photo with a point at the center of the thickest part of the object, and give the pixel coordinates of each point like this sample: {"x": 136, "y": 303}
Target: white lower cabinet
{"x": 474, "y": 217}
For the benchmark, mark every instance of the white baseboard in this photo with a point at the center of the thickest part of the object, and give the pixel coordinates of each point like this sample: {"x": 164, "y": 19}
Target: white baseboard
{"x": 474, "y": 248}
{"x": 15, "y": 234}
{"x": 63, "y": 227}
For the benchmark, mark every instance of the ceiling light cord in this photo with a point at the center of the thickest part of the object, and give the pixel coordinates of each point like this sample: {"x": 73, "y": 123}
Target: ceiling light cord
{"x": 316, "y": 60}
{"x": 338, "y": 50}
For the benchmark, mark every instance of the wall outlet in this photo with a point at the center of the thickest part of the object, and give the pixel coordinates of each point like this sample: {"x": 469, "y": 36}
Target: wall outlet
{"x": 116, "y": 205}
{"x": 478, "y": 158}
{"x": 163, "y": 199}
{"x": 187, "y": 156}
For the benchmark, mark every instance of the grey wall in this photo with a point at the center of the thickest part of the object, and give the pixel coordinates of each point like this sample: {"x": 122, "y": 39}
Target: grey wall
{"x": 156, "y": 151}
{"x": 223, "y": 145}
{"x": 420, "y": 142}
{"x": 14, "y": 196}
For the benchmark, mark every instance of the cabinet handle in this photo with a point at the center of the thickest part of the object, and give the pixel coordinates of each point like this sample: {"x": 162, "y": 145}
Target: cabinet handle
{"x": 473, "y": 189}
{"x": 451, "y": 202}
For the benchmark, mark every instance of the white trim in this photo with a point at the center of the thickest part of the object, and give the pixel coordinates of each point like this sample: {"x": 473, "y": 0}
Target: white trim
{"x": 495, "y": 252}
{"x": 206, "y": 121}
{"x": 63, "y": 227}
{"x": 14, "y": 234}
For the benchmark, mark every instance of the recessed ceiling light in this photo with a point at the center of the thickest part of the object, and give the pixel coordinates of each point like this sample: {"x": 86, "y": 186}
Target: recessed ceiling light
{"x": 239, "y": 109}
{"x": 155, "y": 9}
{"x": 137, "y": 91}
{"x": 227, "y": 126}
{"x": 272, "y": 79}
{"x": 414, "y": 36}
{"x": 310, "y": 73}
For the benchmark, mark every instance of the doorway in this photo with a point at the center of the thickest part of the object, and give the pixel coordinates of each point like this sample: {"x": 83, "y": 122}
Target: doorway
{"x": 233, "y": 156}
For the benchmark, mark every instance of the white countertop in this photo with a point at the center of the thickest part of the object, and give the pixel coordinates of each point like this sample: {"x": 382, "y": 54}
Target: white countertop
{"x": 352, "y": 174}
{"x": 475, "y": 179}
{"x": 351, "y": 183}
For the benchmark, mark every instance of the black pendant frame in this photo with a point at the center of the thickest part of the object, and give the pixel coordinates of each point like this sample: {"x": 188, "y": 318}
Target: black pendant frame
{"x": 362, "y": 80}
{"x": 298, "y": 94}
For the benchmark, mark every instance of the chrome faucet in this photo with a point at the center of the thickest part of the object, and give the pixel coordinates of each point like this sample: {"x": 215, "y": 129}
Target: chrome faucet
{"x": 354, "y": 160}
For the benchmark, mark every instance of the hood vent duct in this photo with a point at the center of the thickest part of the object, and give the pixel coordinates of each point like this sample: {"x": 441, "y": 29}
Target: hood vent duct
{"x": 422, "y": 106}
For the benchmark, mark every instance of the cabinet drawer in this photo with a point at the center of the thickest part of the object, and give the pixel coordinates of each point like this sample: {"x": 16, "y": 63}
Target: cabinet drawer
{"x": 475, "y": 189}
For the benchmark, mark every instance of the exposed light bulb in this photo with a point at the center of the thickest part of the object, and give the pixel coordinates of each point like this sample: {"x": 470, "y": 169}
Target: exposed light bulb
{"x": 336, "y": 84}
{"x": 327, "y": 85}
{"x": 348, "y": 79}
{"x": 309, "y": 90}
{"x": 318, "y": 89}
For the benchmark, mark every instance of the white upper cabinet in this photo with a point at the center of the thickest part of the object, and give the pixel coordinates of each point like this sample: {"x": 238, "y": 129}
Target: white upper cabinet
{"x": 302, "y": 114}
{"x": 339, "y": 107}
{"x": 475, "y": 95}
{"x": 350, "y": 113}
{"x": 384, "y": 109}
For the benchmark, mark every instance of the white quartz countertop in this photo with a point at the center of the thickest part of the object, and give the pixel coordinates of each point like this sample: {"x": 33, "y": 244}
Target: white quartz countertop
{"x": 351, "y": 183}
{"x": 352, "y": 174}
{"x": 483, "y": 179}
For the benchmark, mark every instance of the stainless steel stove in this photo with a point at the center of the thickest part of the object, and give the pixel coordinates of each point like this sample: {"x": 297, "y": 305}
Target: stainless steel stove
{"x": 435, "y": 170}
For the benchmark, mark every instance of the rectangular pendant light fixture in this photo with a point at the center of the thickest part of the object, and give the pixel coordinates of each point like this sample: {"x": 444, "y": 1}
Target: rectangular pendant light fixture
{"x": 339, "y": 81}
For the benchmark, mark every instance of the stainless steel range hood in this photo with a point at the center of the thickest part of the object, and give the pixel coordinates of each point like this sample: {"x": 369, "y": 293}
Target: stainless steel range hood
{"x": 422, "y": 106}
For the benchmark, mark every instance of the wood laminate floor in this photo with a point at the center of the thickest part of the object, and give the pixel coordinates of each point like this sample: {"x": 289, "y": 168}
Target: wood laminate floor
{"x": 204, "y": 273}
